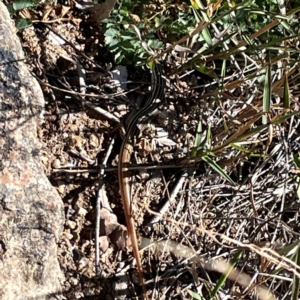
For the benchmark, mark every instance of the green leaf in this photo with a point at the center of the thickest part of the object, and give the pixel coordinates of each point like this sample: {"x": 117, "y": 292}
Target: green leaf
{"x": 196, "y": 4}
{"x": 281, "y": 119}
{"x": 199, "y": 135}
{"x": 10, "y": 8}
{"x": 108, "y": 23}
{"x": 286, "y": 93}
{"x": 296, "y": 160}
{"x": 150, "y": 64}
{"x": 207, "y": 71}
{"x": 23, "y": 23}
{"x": 20, "y": 4}
{"x": 267, "y": 94}
{"x": 127, "y": 45}
{"x": 155, "y": 44}
{"x": 296, "y": 281}
{"x": 205, "y": 33}
{"x": 223, "y": 277}
{"x": 217, "y": 168}
{"x": 195, "y": 295}
{"x": 111, "y": 32}
{"x": 119, "y": 57}
{"x": 113, "y": 45}
{"x": 110, "y": 41}
{"x": 128, "y": 35}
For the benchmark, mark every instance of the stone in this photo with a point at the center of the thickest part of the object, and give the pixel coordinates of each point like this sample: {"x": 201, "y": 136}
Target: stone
{"x": 31, "y": 211}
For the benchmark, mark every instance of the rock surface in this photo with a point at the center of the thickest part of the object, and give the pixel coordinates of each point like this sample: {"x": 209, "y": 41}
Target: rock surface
{"x": 31, "y": 211}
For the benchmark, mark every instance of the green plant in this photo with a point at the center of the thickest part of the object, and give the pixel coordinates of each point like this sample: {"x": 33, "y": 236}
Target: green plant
{"x": 133, "y": 27}
{"x": 19, "y": 5}
{"x": 219, "y": 284}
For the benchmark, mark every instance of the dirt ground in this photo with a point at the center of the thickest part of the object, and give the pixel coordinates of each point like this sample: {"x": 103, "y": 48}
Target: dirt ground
{"x": 75, "y": 138}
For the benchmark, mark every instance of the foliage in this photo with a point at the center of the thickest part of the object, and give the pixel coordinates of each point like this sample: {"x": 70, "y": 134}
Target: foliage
{"x": 134, "y": 26}
{"x": 18, "y": 5}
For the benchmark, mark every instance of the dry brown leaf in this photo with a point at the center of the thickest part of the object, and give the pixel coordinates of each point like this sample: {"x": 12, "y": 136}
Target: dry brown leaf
{"x": 47, "y": 10}
{"x": 135, "y": 18}
{"x": 101, "y": 11}
{"x": 76, "y": 21}
{"x": 25, "y": 13}
{"x": 64, "y": 10}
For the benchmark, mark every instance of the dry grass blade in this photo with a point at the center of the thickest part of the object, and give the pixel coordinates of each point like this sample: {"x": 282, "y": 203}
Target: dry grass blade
{"x": 296, "y": 281}
{"x": 236, "y": 49}
{"x": 169, "y": 201}
{"x": 217, "y": 265}
{"x": 226, "y": 275}
{"x": 239, "y": 134}
{"x": 297, "y": 163}
{"x": 101, "y": 195}
{"x": 286, "y": 92}
{"x": 200, "y": 27}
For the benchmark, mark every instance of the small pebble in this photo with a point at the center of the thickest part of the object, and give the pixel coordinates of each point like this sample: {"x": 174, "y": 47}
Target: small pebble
{"x": 82, "y": 212}
{"x": 71, "y": 224}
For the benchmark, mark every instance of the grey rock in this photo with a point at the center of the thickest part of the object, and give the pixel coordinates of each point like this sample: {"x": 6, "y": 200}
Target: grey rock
{"x": 31, "y": 211}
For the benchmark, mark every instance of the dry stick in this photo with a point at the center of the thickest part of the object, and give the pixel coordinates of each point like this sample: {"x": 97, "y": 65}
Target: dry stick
{"x": 113, "y": 169}
{"x": 81, "y": 74}
{"x": 166, "y": 206}
{"x": 101, "y": 111}
{"x": 267, "y": 253}
{"x": 79, "y": 52}
{"x": 84, "y": 94}
{"x": 52, "y": 21}
{"x": 253, "y": 200}
{"x": 220, "y": 36}
{"x": 218, "y": 265}
{"x": 99, "y": 198}
{"x": 81, "y": 96}
{"x": 100, "y": 192}
{"x": 279, "y": 220}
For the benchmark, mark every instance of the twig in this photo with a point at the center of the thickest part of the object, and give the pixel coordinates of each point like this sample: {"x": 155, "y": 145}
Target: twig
{"x": 166, "y": 206}
{"x": 282, "y": 205}
{"x": 83, "y": 94}
{"x": 99, "y": 198}
{"x": 101, "y": 111}
{"x": 79, "y": 52}
{"x": 217, "y": 265}
{"x": 114, "y": 169}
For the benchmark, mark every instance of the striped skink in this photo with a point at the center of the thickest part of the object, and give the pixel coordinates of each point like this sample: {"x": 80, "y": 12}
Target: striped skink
{"x": 158, "y": 83}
